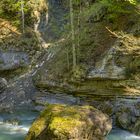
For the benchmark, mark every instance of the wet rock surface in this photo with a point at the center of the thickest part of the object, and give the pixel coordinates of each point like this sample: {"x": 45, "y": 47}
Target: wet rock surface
{"x": 13, "y": 121}
{"x": 18, "y": 93}
{"x": 43, "y": 98}
{"x": 125, "y": 113}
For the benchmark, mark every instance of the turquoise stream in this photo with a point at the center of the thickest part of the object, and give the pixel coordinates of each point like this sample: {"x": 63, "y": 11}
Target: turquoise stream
{"x": 118, "y": 134}
{"x": 14, "y": 132}
{"x": 11, "y": 132}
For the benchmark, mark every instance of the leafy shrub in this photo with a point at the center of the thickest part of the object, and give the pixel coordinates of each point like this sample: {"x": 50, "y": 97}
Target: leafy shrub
{"x": 11, "y": 10}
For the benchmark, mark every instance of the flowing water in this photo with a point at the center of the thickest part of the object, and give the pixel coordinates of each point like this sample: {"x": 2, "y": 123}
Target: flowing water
{"x": 8, "y": 131}
{"x": 18, "y": 132}
{"x": 118, "y": 134}
{"x": 25, "y": 117}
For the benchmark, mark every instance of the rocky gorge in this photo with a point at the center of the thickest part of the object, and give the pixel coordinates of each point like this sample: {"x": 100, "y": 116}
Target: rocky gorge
{"x": 103, "y": 90}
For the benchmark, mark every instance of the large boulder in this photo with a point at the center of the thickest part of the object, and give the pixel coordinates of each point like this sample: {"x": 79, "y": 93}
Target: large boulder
{"x": 62, "y": 122}
{"x": 124, "y": 120}
{"x": 128, "y": 118}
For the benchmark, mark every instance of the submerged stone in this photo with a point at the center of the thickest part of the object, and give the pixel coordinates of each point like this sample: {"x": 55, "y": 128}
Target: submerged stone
{"x": 13, "y": 121}
{"x": 62, "y": 122}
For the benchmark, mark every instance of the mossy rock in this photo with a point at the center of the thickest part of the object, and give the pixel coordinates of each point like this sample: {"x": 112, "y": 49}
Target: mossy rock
{"x": 136, "y": 128}
{"x": 62, "y": 122}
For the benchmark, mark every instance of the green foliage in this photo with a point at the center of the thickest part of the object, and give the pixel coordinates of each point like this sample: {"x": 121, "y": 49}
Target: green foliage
{"x": 133, "y": 67}
{"x": 111, "y": 2}
{"x": 11, "y": 10}
{"x": 118, "y": 7}
{"x": 78, "y": 73}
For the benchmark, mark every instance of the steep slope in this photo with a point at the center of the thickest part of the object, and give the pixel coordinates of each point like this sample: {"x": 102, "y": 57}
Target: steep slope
{"x": 107, "y": 74}
{"x": 108, "y": 54}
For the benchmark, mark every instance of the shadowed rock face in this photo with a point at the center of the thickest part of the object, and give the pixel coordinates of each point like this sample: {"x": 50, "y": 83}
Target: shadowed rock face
{"x": 61, "y": 122}
{"x": 3, "y": 84}
{"x": 51, "y": 22}
{"x": 128, "y": 117}
{"x": 125, "y": 113}
{"x": 13, "y": 60}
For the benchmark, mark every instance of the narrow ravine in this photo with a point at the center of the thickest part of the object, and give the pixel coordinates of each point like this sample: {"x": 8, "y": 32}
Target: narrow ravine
{"x": 74, "y": 65}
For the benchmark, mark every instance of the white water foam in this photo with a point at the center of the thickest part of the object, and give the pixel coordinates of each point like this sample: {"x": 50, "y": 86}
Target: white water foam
{"x": 119, "y": 134}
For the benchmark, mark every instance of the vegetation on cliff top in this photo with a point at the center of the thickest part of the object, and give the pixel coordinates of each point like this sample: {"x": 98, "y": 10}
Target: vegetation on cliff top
{"x": 12, "y": 10}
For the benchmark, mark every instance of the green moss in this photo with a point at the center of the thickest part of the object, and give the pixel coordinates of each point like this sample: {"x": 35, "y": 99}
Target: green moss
{"x": 63, "y": 126}
{"x": 11, "y": 10}
{"x": 59, "y": 119}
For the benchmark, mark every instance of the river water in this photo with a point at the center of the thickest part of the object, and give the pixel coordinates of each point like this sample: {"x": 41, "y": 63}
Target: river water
{"x": 118, "y": 134}
{"x": 14, "y": 132}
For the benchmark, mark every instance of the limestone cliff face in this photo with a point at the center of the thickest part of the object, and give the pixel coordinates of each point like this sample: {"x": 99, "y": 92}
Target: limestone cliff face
{"x": 108, "y": 56}
{"x": 50, "y": 18}
{"x": 116, "y": 61}
{"x": 108, "y": 62}
{"x": 18, "y": 55}
{"x": 108, "y": 65}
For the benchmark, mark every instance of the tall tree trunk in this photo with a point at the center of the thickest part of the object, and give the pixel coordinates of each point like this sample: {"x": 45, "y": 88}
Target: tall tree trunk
{"x": 78, "y": 35}
{"x": 68, "y": 62}
{"x": 72, "y": 34}
{"x": 23, "y": 18}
